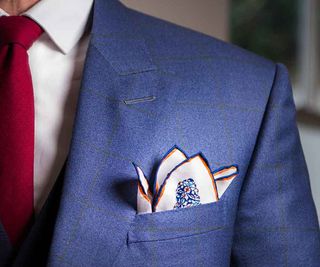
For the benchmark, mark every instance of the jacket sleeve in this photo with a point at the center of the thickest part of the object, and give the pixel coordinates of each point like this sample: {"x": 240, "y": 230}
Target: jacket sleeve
{"x": 276, "y": 223}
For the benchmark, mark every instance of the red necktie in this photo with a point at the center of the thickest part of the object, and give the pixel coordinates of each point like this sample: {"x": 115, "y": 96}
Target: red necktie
{"x": 17, "y": 33}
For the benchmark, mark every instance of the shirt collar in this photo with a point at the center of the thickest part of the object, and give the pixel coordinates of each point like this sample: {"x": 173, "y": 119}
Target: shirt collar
{"x": 64, "y": 21}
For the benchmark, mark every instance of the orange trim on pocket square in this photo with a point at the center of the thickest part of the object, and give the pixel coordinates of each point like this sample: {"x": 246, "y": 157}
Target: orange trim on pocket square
{"x": 178, "y": 172}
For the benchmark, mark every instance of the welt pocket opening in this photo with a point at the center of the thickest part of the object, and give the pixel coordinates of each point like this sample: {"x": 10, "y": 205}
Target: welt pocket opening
{"x": 177, "y": 223}
{"x": 186, "y": 235}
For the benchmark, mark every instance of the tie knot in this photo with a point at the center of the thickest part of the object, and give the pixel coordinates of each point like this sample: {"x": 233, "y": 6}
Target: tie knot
{"x": 19, "y": 30}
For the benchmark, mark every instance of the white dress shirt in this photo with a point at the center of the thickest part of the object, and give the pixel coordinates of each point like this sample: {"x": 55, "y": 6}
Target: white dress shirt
{"x": 56, "y": 61}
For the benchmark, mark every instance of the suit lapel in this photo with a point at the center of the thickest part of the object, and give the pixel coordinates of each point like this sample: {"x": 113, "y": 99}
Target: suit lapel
{"x": 98, "y": 197}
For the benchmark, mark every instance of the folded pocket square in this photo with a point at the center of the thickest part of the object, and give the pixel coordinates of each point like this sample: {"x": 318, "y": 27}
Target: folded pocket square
{"x": 182, "y": 182}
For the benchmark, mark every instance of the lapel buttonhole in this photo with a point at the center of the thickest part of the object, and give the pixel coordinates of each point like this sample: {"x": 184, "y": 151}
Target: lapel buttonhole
{"x": 139, "y": 100}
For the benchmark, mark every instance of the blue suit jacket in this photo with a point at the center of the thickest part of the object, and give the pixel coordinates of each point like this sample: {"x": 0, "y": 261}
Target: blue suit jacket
{"x": 234, "y": 106}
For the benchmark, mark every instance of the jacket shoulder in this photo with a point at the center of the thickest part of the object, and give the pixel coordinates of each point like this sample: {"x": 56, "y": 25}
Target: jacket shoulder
{"x": 204, "y": 60}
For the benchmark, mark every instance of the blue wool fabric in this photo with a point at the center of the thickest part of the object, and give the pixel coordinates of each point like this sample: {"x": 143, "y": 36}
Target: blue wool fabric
{"x": 147, "y": 86}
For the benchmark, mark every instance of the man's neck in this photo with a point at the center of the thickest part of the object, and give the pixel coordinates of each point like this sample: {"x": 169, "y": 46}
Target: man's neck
{"x": 16, "y": 7}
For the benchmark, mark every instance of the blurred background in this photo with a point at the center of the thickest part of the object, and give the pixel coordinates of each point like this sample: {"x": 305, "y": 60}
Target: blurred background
{"x": 285, "y": 31}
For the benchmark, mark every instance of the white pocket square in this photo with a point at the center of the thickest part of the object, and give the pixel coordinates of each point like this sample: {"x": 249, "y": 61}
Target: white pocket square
{"x": 182, "y": 182}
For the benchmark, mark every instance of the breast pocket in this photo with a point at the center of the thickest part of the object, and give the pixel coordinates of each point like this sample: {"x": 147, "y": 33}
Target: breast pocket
{"x": 195, "y": 236}
{"x": 178, "y": 223}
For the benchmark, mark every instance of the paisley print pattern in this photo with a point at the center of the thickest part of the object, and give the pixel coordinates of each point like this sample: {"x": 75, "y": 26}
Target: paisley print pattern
{"x": 187, "y": 194}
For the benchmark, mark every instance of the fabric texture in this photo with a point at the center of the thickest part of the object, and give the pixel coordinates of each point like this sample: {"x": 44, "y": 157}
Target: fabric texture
{"x": 56, "y": 62}
{"x": 35, "y": 247}
{"x": 17, "y": 34}
{"x": 207, "y": 95}
{"x": 276, "y": 223}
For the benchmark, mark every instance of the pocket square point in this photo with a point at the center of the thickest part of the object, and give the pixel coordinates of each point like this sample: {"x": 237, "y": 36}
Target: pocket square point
{"x": 183, "y": 181}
